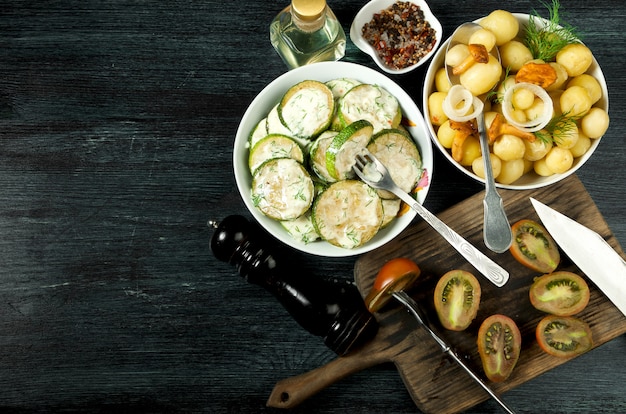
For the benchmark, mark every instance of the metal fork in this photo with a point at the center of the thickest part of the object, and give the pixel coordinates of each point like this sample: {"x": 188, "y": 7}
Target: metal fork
{"x": 375, "y": 174}
{"x": 413, "y": 308}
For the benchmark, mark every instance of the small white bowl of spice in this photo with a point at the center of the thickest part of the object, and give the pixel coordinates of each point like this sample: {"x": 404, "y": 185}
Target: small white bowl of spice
{"x": 399, "y": 35}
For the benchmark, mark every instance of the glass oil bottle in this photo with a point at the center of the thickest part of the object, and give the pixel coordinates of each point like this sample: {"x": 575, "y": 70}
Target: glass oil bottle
{"x": 307, "y": 31}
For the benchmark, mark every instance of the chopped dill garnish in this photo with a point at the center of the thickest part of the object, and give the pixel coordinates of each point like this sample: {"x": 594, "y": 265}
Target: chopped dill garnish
{"x": 558, "y": 127}
{"x": 495, "y": 95}
{"x": 545, "y": 40}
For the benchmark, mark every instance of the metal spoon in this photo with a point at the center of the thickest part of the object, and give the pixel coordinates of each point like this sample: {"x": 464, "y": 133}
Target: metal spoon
{"x": 496, "y": 228}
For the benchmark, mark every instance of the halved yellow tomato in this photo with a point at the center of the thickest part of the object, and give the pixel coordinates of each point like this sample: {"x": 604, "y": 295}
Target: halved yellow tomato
{"x": 564, "y": 336}
{"x": 560, "y": 293}
{"x": 457, "y": 298}
{"x": 499, "y": 345}
{"x": 534, "y": 247}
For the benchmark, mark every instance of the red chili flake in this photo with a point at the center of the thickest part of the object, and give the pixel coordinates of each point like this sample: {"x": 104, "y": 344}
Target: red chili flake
{"x": 400, "y": 34}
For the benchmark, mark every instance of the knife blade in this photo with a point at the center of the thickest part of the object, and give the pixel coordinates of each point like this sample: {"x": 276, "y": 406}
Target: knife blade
{"x": 589, "y": 251}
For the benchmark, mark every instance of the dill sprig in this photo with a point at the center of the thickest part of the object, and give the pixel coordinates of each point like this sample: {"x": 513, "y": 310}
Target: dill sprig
{"x": 495, "y": 95}
{"x": 545, "y": 40}
{"x": 558, "y": 127}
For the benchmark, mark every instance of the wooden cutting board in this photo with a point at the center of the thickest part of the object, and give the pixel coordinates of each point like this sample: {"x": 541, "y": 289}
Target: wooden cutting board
{"x": 434, "y": 382}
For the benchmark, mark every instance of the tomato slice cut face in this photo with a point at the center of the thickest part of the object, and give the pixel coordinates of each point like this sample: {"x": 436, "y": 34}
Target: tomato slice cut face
{"x": 457, "y": 299}
{"x": 560, "y": 293}
{"x": 534, "y": 247}
{"x": 564, "y": 336}
{"x": 395, "y": 275}
{"x": 499, "y": 345}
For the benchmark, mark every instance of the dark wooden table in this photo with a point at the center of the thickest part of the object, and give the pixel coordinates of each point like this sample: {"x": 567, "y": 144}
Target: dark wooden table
{"x": 117, "y": 122}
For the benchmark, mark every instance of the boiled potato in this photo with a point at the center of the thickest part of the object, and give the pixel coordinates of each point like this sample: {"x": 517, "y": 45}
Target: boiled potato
{"x": 523, "y": 99}
{"x": 595, "y": 123}
{"x": 528, "y": 165}
{"x": 503, "y": 86}
{"x": 457, "y": 54}
{"x": 590, "y": 84}
{"x": 509, "y": 147}
{"x": 541, "y": 168}
{"x": 445, "y": 135}
{"x": 511, "y": 171}
{"x": 561, "y": 76}
{"x": 478, "y": 166}
{"x": 442, "y": 83}
{"x": 518, "y": 115}
{"x": 489, "y": 116}
{"x": 471, "y": 151}
{"x": 481, "y": 77}
{"x": 483, "y": 37}
{"x": 582, "y": 145}
{"x": 576, "y": 58}
{"x": 503, "y": 25}
{"x": 565, "y": 134}
{"x": 514, "y": 54}
{"x": 536, "y": 109}
{"x": 559, "y": 160}
{"x": 435, "y": 108}
{"x": 575, "y": 101}
{"x": 536, "y": 149}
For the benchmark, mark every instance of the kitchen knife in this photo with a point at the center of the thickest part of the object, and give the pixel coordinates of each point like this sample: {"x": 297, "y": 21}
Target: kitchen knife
{"x": 589, "y": 251}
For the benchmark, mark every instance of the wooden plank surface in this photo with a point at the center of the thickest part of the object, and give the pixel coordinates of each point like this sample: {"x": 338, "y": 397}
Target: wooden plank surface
{"x": 434, "y": 382}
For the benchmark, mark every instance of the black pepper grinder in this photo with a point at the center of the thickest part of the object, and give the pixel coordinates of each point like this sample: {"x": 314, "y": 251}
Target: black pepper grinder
{"x": 332, "y": 309}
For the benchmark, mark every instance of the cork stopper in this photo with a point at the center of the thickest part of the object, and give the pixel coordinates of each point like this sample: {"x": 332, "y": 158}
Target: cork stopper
{"x": 308, "y": 14}
{"x": 308, "y": 10}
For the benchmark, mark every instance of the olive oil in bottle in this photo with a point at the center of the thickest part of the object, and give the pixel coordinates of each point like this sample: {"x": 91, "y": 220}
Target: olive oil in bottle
{"x": 307, "y": 31}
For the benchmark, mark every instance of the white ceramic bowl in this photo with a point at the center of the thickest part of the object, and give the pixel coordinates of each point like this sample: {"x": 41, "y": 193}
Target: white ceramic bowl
{"x": 323, "y": 72}
{"x": 365, "y": 15}
{"x": 529, "y": 180}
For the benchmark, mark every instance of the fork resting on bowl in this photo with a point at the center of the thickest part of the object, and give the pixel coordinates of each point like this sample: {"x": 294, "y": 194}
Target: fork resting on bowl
{"x": 375, "y": 174}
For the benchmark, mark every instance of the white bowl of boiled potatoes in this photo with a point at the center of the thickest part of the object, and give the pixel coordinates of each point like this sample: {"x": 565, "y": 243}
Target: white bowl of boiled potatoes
{"x": 538, "y": 155}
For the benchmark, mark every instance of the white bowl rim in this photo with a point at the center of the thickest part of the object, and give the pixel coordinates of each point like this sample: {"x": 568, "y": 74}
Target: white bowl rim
{"x": 325, "y": 71}
{"x": 523, "y": 19}
{"x": 365, "y": 15}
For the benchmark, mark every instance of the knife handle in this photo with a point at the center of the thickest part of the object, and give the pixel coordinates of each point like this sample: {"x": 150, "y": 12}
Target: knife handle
{"x": 290, "y": 392}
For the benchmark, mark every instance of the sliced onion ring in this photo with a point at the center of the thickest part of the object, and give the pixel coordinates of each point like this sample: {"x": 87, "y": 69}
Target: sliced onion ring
{"x": 534, "y": 124}
{"x": 456, "y": 95}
